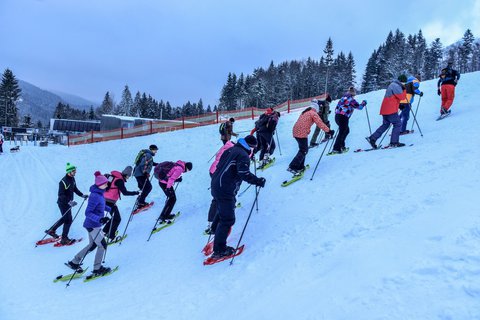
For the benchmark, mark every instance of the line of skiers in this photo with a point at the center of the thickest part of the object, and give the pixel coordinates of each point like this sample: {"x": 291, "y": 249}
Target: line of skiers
{"x": 231, "y": 164}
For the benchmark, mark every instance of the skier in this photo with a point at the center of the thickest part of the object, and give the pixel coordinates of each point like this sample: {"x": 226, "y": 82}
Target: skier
{"x": 1, "y": 142}
{"x": 343, "y": 112}
{"x": 301, "y": 130}
{"x": 66, "y": 187}
{"x": 143, "y": 166}
{"x": 167, "y": 174}
{"x": 323, "y": 112}
{"x": 446, "y": 87}
{"x": 94, "y": 218}
{"x": 265, "y": 127}
{"x": 226, "y": 130}
{"x": 116, "y": 186}
{"x": 389, "y": 111}
{"x": 232, "y": 168}
{"x": 213, "y": 205}
{"x": 411, "y": 86}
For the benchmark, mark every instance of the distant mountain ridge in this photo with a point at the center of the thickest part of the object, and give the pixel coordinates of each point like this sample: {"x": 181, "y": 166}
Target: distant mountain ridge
{"x": 41, "y": 104}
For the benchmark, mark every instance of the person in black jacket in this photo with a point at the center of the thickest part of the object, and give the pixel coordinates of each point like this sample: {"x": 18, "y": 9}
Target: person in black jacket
{"x": 66, "y": 187}
{"x": 265, "y": 127}
{"x": 142, "y": 170}
{"x": 116, "y": 187}
{"x": 232, "y": 168}
{"x": 446, "y": 87}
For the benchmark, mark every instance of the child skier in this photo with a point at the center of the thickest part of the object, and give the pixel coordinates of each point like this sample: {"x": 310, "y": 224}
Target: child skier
{"x": 112, "y": 195}
{"x": 94, "y": 218}
{"x": 343, "y": 112}
{"x": 167, "y": 174}
{"x": 66, "y": 187}
{"x": 301, "y": 130}
{"x": 143, "y": 166}
{"x": 265, "y": 127}
{"x": 411, "y": 87}
{"x": 389, "y": 111}
{"x": 323, "y": 112}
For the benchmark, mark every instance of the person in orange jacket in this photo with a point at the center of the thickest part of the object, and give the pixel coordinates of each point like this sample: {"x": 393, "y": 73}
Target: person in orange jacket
{"x": 389, "y": 111}
{"x": 301, "y": 130}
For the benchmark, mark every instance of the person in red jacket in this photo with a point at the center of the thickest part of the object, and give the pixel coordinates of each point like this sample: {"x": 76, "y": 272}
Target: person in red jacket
{"x": 301, "y": 130}
{"x": 389, "y": 111}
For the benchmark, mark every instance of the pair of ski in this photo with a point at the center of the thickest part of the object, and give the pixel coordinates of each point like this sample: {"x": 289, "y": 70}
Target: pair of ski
{"x": 334, "y": 153}
{"x": 144, "y": 208}
{"x": 56, "y": 242}
{"x": 79, "y": 275}
{"x": 443, "y": 116}
{"x": 165, "y": 224}
{"x": 295, "y": 177}
{"x": 267, "y": 165}
{"x": 208, "y": 252}
{"x": 381, "y": 148}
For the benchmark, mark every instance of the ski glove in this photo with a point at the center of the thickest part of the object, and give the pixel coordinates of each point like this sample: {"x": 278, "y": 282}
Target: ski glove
{"x": 421, "y": 94}
{"x": 137, "y": 193}
{"x": 331, "y": 133}
{"x": 364, "y": 103}
{"x": 72, "y": 203}
{"x": 439, "y": 92}
{"x": 180, "y": 179}
{"x": 104, "y": 220}
{"x": 261, "y": 182}
{"x": 85, "y": 196}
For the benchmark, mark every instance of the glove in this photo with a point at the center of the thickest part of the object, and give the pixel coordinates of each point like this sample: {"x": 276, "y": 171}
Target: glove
{"x": 364, "y": 103}
{"x": 147, "y": 175}
{"x": 72, "y": 203}
{"x": 85, "y": 196}
{"x": 331, "y": 133}
{"x": 439, "y": 92}
{"x": 104, "y": 220}
{"x": 180, "y": 179}
{"x": 421, "y": 94}
{"x": 401, "y": 106}
{"x": 261, "y": 182}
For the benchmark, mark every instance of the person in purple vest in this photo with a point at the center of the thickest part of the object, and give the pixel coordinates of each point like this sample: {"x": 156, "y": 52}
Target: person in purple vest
{"x": 116, "y": 187}
{"x": 94, "y": 218}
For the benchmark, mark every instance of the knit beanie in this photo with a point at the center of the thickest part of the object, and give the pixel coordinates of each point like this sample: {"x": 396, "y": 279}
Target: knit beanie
{"x": 100, "y": 179}
{"x": 70, "y": 167}
{"x": 188, "y": 166}
{"x": 251, "y": 141}
{"x": 153, "y": 147}
{"x": 232, "y": 120}
{"x": 127, "y": 171}
{"x": 402, "y": 78}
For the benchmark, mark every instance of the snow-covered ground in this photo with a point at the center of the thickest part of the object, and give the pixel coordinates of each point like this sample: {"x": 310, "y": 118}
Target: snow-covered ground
{"x": 390, "y": 234}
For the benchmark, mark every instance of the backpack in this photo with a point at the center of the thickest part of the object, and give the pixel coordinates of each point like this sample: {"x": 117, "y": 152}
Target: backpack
{"x": 139, "y": 157}
{"x": 261, "y": 122}
{"x": 162, "y": 169}
{"x": 223, "y": 129}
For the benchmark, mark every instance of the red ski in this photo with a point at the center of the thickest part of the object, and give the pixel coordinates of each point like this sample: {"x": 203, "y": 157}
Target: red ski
{"x": 59, "y": 244}
{"x": 210, "y": 260}
{"x": 148, "y": 206}
{"x": 46, "y": 241}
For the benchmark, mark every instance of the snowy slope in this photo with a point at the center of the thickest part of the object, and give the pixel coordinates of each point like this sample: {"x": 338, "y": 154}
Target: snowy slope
{"x": 391, "y": 234}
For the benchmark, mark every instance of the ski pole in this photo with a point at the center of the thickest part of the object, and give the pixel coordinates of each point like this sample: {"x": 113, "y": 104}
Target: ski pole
{"x": 415, "y": 119}
{"x": 246, "y": 223}
{"x": 69, "y": 209}
{"x": 131, "y": 213}
{"x": 212, "y": 157}
{"x": 109, "y": 232}
{"x": 318, "y": 162}
{"x": 278, "y": 142}
{"x": 368, "y": 120}
{"x": 241, "y": 193}
{"x": 94, "y": 245}
{"x": 386, "y": 132}
{"x": 334, "y": 138}
{"x": 416, "y": 110}
{"x": 256, "y": 188}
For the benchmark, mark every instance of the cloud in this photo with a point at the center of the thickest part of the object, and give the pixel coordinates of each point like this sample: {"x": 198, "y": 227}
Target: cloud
{"x": 447, "y": 32}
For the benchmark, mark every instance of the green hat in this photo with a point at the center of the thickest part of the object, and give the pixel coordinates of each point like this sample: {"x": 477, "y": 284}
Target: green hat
{"x": 70, "y": 167}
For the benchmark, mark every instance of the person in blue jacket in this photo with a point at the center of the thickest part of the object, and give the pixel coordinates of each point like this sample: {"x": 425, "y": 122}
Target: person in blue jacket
{"x": 94, "y": 219}
{"x": 412, "y": 85}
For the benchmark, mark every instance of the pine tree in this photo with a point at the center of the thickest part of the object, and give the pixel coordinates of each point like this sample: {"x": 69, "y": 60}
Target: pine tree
{"x": 135, "y": 112}
{"x": 91, "y": 114}
{"x": 465, "y": 52}
{"x": 328, "y": 59}
{"x": 107, "y": 105}
{"x": 39, "y": 124}
{"x": 433, "y": 59}
{"x": 10, "y": 92}
{"x": 125, "y": 106}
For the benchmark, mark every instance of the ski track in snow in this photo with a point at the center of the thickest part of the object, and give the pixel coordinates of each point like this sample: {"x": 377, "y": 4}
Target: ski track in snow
{"x": 389, "y": 234}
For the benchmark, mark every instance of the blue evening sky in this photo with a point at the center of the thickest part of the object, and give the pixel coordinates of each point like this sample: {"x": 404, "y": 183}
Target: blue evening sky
{"x": 183, "y": 50}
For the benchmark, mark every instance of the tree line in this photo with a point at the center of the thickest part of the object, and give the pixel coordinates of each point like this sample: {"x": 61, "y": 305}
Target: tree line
{"x": 410, "y": 55}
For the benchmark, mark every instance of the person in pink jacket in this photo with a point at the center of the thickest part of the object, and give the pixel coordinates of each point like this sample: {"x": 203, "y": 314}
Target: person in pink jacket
{"x": 213, "y": 205}
{"x": 301, "y": 130}
{"x": 167, "y": 174}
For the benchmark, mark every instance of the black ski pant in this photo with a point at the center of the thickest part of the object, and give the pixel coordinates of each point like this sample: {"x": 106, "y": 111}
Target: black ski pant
{"x": 226, "y": 219}
{"x": 144, "y": 185}
{"x": 213, "y": 210}
{"x": 343, "y": 131}
{"x": 66, "y": 219}
{"x": 298, "y": 163}
{"x": 266, "y": 142}
{"x": 170, "y": 202}
{"x": 110, "y": 228}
